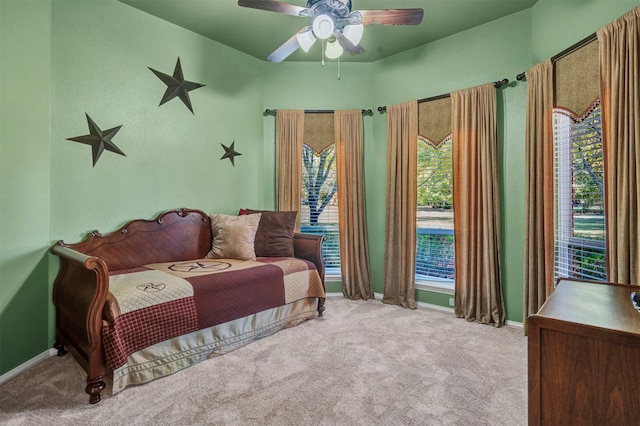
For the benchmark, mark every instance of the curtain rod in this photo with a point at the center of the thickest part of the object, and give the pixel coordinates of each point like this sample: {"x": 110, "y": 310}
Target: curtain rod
{"x": 496, "y": 84}
{"x": 588, "y": 39}
{"x": 315, "y": 111}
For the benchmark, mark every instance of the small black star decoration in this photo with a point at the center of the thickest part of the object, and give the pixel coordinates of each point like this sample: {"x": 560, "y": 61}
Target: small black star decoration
{"x": 229, "y": 153}
{"x": 99, "y": 140}
{"x": 176, "y": 86}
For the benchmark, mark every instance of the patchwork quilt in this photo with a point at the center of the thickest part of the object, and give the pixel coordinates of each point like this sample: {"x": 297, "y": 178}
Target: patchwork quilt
{"x": 156, "y": 302}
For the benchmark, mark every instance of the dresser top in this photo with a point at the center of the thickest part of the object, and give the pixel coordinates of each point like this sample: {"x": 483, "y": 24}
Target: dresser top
{"x": 603, "y": 305}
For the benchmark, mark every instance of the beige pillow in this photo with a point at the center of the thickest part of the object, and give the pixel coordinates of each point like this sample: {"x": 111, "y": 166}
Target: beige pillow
{"x": 233, "y": 236}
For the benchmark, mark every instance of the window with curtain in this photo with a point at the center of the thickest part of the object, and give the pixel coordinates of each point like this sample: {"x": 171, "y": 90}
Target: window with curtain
{"x": 434, "y": 216}
{"x": 319, "y": 196}
{"x": 578, "y": 167}
{"x": 579, "y": 186}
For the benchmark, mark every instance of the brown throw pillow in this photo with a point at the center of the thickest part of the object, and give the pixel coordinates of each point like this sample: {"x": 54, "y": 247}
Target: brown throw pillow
{"x": 274, "y": 237}
{"x": 233, "y": 236}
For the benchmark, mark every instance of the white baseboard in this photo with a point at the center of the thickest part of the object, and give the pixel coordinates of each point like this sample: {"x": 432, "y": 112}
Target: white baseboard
{"x": 450, "y": 310}
{"x": 447, "y": 309}
{"x": 27, "y": 365}
{"x": 514, "y": 324}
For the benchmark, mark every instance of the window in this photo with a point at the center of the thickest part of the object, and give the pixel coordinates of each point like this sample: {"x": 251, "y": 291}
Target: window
{"x": 579, "y": 176}
{"x": 319, "y": 203}
{"x": 434, "y": 242}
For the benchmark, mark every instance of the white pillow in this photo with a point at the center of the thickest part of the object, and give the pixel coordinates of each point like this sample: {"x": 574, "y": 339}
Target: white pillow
{"x": 233, "y": 236}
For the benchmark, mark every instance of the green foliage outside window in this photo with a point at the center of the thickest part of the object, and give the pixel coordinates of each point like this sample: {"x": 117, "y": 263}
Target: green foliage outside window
{"x": 435, "y": 175}
{"x": 588, "y": 166}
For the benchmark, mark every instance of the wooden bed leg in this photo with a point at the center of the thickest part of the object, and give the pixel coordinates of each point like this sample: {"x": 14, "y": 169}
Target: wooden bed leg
{"x": 94, "y": 387}
{"x": 320, "y": 306}
{"x": 60, "y": 347}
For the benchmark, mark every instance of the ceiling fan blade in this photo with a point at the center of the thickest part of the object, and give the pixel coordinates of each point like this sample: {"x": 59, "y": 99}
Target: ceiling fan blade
{"x": 347, "y": 45}
{"x": 287, "y": 48}
{"x": 275, "y": 6}
{"x": 391, "y": 16}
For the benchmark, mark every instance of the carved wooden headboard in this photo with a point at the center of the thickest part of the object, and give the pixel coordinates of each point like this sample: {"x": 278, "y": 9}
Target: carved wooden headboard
{"x": 183, "y": 234}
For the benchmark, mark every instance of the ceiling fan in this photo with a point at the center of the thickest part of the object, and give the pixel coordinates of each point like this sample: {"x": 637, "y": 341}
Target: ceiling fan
{"x": 333, "y": 20}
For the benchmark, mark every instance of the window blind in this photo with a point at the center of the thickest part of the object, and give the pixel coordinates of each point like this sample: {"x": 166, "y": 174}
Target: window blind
{"x": 319, "y": 203}
{"x": 579, "y": 192}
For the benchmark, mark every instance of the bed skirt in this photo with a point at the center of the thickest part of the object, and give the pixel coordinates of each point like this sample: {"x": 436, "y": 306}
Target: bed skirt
{"x": 175, "y": 354}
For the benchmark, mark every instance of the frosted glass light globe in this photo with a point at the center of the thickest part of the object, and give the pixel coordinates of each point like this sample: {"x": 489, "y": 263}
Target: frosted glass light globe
{"x": 334, "y": 50}
{"x": 323, "y": 26}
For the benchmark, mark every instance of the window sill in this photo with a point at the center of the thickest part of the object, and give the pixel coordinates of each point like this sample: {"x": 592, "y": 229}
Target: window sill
{"x": 435, "y": 286}
{"x": 333, "y": 278}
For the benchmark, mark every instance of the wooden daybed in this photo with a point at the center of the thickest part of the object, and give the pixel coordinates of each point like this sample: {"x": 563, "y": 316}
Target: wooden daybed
{"x": 213, "y": 306}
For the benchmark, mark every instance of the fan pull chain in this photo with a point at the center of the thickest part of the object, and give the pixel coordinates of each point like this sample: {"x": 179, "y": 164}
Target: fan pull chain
{"x": 322, "y": 52}
{"x": 338, "y": 67}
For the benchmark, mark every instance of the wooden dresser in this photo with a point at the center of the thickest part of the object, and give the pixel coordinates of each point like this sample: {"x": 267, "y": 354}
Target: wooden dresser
{"x": 584, "y": 356}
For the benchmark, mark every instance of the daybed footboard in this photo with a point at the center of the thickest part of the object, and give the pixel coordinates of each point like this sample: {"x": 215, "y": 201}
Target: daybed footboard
{"x": 309, "y": 247}
{"x": 79, "y": 294}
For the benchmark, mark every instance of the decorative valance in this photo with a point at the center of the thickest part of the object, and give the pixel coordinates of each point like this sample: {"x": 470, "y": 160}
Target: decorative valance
{"x": 434, "y": 121}
{"x": 577, "y": 80}
{"x": 318, "y": 130}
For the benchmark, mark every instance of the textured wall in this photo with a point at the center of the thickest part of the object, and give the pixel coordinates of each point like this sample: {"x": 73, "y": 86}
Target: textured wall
{"x": 557, "y": 25}
{"x": 24, "y": 179}
{"x": 101, "y": 51}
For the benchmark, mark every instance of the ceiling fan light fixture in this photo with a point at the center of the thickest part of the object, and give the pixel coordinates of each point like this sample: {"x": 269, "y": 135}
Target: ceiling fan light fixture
{"x": 331, "y": 20}
{"x": 306, "y": 40}
{"x": 353, "y": 33}
{"x": 323, "y": 26}
{"x": 333, "y": 50}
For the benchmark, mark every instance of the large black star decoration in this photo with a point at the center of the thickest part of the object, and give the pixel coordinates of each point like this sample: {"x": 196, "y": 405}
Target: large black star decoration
{"x": 99, "y": 140}
{"x": 176, "y": 86}
{"x": 230, "y": 153}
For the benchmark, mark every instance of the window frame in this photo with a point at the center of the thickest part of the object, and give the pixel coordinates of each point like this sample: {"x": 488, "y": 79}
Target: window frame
{"x": 332, "y": 273}
{"x": 565, "y": 240}
{"x": 425, "y": 282}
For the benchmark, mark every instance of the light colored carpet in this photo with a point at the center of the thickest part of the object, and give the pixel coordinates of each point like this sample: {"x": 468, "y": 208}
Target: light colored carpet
{"x": 364, "y": 363}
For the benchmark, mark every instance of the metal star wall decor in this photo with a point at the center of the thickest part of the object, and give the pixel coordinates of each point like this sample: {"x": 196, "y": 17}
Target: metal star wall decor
{"x": 230, "y": 153}
{"x": 176, "y": 86}
{"x": 99, "y": 140}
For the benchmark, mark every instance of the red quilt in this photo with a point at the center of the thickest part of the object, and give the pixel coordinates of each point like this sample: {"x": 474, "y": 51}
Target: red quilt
{"x": 157, "y": 302}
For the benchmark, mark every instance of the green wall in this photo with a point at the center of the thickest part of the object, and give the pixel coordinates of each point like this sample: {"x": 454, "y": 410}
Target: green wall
{"x": 557, "y": 25}
{"x": 24, "y": 179}
{"x": 101, "y": 51}
{"x": 60, "y": 59}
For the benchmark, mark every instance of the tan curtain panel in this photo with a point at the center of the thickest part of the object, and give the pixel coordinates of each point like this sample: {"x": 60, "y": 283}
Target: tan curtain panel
{"x": 318, "y": 130}
{"x": 400, "y": 228}
{"x": 577, "y": 84}
{"x": 478, "y": 286}
{"x": 539, "y": 232}
{"x": 289, "y": 140}
{"x": 354, "y": 250}
{"x": 434, "y": 121}
{"x": 620, "y": 93}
